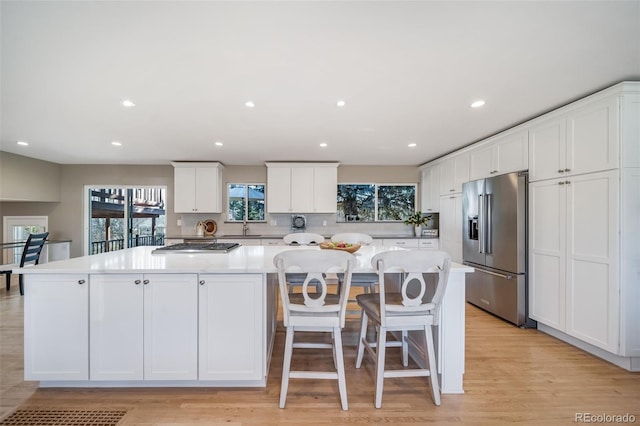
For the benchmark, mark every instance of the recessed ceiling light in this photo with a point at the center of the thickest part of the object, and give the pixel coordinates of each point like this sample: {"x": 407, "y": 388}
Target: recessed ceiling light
{"x": 218, "y": 143}
{"x": 341, "y": 103}
{"x": 477, "y": 104}
{"x": 249, "y": 104}
{"x": 323, "y": 144}
{"x": 412, "y": 145}
{"x": 23, "y": 143}
{"x": 127, "y": 103}
{"x": 116, "y": 143}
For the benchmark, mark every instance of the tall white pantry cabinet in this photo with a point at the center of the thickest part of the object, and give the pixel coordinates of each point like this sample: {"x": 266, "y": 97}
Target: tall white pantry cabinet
{"x": 584, "y": 209}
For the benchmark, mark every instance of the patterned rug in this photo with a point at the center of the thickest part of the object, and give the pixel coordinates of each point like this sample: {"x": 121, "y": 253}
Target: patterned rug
{"x": 64, "y": 417}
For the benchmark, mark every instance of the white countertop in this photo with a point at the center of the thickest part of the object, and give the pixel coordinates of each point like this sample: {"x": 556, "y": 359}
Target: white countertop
{"x": 243, "y": 260}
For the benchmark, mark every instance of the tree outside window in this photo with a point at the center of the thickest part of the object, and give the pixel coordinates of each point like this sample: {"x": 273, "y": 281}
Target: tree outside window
{"x": 372, "y": 202}
{"x": 246, "y": 202}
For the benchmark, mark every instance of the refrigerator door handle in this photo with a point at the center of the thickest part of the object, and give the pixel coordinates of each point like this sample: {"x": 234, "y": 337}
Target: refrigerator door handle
{"x": 487, "y": 225}
{"x": 484, "y": 271}
{"x": 480, "y": 223}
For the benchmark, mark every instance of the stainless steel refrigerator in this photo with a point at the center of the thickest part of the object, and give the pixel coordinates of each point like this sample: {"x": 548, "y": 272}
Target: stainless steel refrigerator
{"x": 494, "y": 242}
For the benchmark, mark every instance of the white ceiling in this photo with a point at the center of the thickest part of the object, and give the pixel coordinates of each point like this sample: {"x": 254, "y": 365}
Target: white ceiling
{"x": 407, "y": 70}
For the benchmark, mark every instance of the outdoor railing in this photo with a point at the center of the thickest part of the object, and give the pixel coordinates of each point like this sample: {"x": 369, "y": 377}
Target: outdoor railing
{"x": 113, "y": 245}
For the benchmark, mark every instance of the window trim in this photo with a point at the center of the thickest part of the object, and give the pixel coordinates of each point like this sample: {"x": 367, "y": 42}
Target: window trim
{"x": 246, "y": 203}
{"x": 375, "y": 207}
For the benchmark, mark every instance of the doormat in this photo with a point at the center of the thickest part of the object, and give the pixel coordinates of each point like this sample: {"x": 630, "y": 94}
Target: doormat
{"x": 64, "y": 417}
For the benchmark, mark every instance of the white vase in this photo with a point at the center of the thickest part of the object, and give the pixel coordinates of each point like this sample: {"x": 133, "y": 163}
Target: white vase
{"x": 417, "y": 230}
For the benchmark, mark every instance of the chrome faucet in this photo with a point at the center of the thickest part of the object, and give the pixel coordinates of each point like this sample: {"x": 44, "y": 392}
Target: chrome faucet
{"x": 245, "y": 228}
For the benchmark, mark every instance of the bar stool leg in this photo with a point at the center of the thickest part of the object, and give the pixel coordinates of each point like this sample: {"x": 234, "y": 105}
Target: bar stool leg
{"x": 363, "y": 335}
{"x": 433, "y": 367}
{"x": 286, "y": 366}
{"x": 342, "y": 382}
{"x": 380, "y": 353}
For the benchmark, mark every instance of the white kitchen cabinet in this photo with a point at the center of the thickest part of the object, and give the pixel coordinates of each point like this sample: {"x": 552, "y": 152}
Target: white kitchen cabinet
{"x": 430, "y": 189}
{"x": 547, "y": 248}
{"x": 56, "y": 327}
{"x": 197, "y": 187}
{"x": 272, "y": 242}
{"x": 241, "y": 241}
{"x": 453, "y": 173}
{"x": 582, "y": 140}
{"x": 55, "y": 251}
{"x": 574, "y": 256}
{"x": 231, "y": 339}
{"x": 547, "y": 149}
{"x": 507, "y": 153}
{"x": 325, "y": 188}
{"x": 451, "y": 226}
{"x": 302, "y": 187}
{"x": 116, "y": 324}
{"x": 428, "y": 244}
{"x": 143, "y": 327}
{"x": 409, "y": 243}
{"x": 170, "y": 327}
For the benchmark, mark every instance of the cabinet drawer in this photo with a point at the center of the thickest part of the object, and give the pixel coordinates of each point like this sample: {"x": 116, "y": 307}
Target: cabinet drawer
{"x": 430, "y": 244}
{"x": 402, "y": 242}
{"x": 241, "y": 241}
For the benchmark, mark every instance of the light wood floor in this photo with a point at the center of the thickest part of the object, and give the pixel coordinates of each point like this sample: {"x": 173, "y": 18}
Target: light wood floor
{"x": 512, "y": 376}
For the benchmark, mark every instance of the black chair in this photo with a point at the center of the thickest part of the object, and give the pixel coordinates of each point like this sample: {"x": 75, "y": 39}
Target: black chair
{"x": 30, "y": 256}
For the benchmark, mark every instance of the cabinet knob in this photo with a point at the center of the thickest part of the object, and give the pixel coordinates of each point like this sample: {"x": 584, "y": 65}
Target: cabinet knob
{"x": 560, "y": 171}
{"x": 452, "y": 190}
{"x": 81, "y": 282}
{"x": 567, "y": 170}
{"x": 201, "y": 282}
{"x": 145, "y": 282}
{"x": 136, "y": 282}
{"x": 560, "y": 183}
{"x": 567, "y": 182}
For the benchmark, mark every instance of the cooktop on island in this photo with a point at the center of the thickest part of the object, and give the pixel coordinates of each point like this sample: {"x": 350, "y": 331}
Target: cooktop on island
{"x": 197, "y": 248}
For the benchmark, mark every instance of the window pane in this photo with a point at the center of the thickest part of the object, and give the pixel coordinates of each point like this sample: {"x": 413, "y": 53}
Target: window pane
{"x": 356, "y": 203}
{"x": 236, "y": 193}
{"x": 256, "y": 202}
{"x": 396, "y": 202}
{"x": 241, "y": 196}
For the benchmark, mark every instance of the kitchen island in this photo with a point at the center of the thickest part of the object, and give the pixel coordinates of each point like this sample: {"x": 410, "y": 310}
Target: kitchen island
{"x": 132, "y": 318}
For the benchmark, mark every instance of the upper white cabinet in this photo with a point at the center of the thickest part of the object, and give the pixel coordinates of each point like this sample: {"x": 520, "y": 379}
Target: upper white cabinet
{"x": 505, "y": 154}
{"x": 430, "y": 189}
{"x": 197, "y": 187}
{"x": 56, "y": 327}
{"x": 302, "y": 187}
{"x": 453, "y": 173}
{"x": 583, "y": 140}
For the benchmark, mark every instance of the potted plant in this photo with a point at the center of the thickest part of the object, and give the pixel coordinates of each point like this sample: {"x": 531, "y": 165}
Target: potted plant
{"x": 417, "y": 220}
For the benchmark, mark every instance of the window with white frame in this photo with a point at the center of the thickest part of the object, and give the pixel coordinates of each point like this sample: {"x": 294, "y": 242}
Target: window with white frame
{"x": 245, "y": 202}
{"x": 375, "y": 202}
